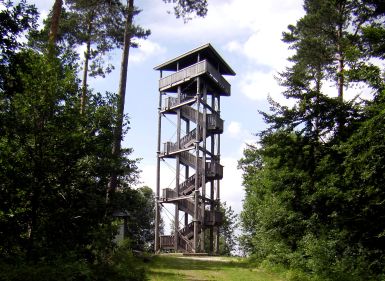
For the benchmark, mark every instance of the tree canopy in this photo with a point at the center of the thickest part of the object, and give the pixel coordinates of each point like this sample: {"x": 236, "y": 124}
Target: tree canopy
{"x": 314, "y": 196}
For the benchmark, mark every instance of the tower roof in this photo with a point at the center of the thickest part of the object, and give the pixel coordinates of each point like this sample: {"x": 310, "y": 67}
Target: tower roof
{"x": 205, "y": 52}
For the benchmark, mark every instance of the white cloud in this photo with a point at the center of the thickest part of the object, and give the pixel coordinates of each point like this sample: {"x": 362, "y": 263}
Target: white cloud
{"x": 236, "y": 135}
{"x": 355, "y": 90}
{"x": 225, "y": 20}
{"x": 246, "y": 143}
{"x": 146, "y": 49}
{"x": 259, "y": 85}
{"x": 263, "y": 49}
{"x": 359, "y": 89}
{"x": 233, "y": 46}
{"x": 167, "y": 179}
{"x": 250, "y": 30}
{"x": 234, "y": 129}
{"x": 231, "y": 186}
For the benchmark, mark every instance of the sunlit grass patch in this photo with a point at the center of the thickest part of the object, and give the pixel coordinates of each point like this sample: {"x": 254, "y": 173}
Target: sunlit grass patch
{"x": 177, "y": 267}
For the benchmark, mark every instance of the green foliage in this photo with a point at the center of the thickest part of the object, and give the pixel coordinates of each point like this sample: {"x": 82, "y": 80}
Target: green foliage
{"x": 117, "y": 265}
{"x": 227, "y": 230}
{"x": 14, "y": 21}
{"x": 55, "y": 167}
{"x": 228, "y": 238}
{"x": 54, "y": 164}
{"x": 314, "y": 196}
{"x": 59, "y": 270}
{"x": 176, "y": 267}
{"x": 139, "y": 205}
{"x": 184, "y": 9}
{"x": 99, "y": 24}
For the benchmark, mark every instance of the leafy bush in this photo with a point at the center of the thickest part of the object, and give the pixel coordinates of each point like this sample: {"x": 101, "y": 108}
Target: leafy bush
{"x": 119, "y": 265}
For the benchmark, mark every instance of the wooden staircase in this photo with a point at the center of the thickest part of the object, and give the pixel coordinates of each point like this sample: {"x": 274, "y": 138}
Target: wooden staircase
{"x": 213, "y": 170}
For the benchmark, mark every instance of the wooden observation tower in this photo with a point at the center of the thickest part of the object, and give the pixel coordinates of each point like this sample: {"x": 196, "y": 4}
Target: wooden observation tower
{"x": 189, "y": 96}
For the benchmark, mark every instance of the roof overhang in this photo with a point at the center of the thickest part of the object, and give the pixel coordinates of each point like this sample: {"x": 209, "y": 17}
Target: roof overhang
{"x": 205, "y": 52}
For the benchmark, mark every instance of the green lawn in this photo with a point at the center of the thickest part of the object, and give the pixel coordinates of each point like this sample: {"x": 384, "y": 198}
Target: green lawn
{"x": 177, "y": 267}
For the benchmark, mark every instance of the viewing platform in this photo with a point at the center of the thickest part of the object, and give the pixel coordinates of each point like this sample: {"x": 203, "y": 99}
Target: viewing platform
{"x": 170, "y": 82}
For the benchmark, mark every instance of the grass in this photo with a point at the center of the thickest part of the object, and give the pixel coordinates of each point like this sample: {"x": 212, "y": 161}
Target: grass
{"x": 177, "y": 267}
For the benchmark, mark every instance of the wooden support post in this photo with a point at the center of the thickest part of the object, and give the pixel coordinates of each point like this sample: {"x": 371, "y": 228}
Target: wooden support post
{"x": 177, "y": 176}
{"x": 197, "y": 173}
{"x": 203, "y": 183}
{"x": 157, "y": 193}
{"x": 217, "y": 207}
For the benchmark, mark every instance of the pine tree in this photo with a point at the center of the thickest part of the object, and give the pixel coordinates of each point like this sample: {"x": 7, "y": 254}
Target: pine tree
{"x": 305, "y": 197}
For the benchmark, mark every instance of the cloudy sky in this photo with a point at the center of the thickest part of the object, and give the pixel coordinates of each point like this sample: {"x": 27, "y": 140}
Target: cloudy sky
{"x": 246, "y": 33}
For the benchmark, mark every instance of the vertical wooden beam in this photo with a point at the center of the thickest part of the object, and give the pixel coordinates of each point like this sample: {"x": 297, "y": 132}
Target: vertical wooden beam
{"x": 212, "y": 185}
{"x": 187, "y": 171}
{"x": 204, "y": 136}
{"x": 197, "y": 173}
{"x": 177, "y": 171}
{"x": 157, "y": 193}
{"x": 217, "y": 232}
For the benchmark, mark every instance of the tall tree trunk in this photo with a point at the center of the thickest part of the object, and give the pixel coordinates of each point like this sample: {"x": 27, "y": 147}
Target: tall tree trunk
{"x": 83, "y": 99}
{"x": 340, "y": 66}
{"x": 54, "y": 28}
{"x": 318, "y": 82}
{"x": 116, "y": 146}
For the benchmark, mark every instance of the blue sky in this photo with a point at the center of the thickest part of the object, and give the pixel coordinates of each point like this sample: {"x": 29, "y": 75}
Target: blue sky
{"x": 246, "y": 33}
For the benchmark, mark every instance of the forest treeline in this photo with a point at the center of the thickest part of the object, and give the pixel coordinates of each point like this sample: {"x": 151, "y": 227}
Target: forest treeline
{"x": 315, "y": 183}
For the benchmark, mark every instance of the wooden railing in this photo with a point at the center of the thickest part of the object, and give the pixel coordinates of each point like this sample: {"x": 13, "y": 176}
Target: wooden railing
{"x": 187, "y": 230}
{"x": 188, "y": 185}
{"x": 167, "y": 241}
{"x": 169, "y": 147}
{"x": 186, "y": 140}
{"x": 190, "y": 160}
{"x": 170, "y": 102}
{"x": 213, "y": 217}
{"x": 214, "y": 123}
{"x": 191, "y": 114}
{"x": 184, "y": 243}
{"x": 188, "y": 206}
{"x": 194, "y": 71}
{"x": 183, "y": 75}
{"x": 169, "y": 193}
{"x": 219, "y": 78}
{"x": 214, "y": 170}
